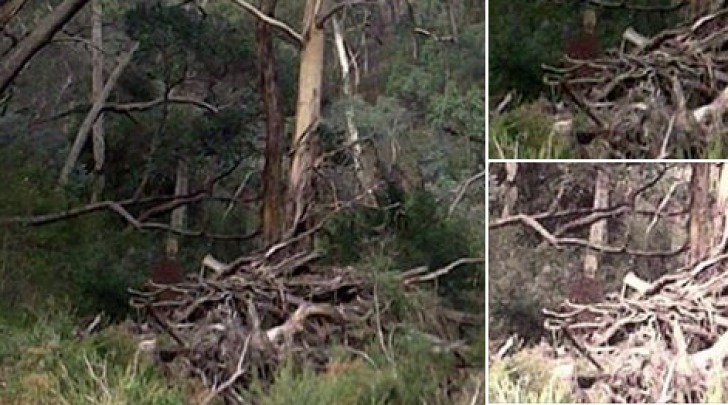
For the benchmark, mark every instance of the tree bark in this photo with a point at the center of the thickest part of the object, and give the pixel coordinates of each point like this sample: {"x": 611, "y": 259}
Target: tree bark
{"x": 179, "y": 214}
{"x": 97, "y": 87}
{"x": 300, "y": 187}
{"x": 598, "y": 231}
{"x": 511, "y": 195}
{"x": 14, "y": 62}
{"x": 9, "y": 9}
{"x": 721, "y": 217}
{"x": 271, "y": 208}
{"x": 700, "y": 225}
{"x": 364, "y": 169}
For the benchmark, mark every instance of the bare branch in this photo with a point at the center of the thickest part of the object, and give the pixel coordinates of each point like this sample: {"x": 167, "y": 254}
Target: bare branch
{"x": 626, "y": 4}
{"x": 442, "y": 271}
{"x": 325, "y": 15}
{"x": 165, "y": 204}
{"x": 462, "y": 188}
{"x": 433, "y": 36}
{"x": 145, "y": 105}
{"x": 283, "y": 27}
{"x": 239, "y": 371}
{"x": 12, "y": 63}
{"x": 560, "y": 242}
{"x": 126, "y": 108}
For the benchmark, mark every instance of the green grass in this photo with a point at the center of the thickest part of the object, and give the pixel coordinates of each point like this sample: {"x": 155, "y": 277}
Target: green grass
{"x": 525, "y": 133}
{"x": 410, "y": 374}
{"x": 41, "y": 362}
{"x": 526, "y": 377}
{"x": 529, "y": 377}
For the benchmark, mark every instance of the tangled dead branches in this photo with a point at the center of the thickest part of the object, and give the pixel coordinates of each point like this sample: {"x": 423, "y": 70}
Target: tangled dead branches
{"x": 663, "y": 341}
{"x": 234, "y": 323}
{"x": 654, "y": 97}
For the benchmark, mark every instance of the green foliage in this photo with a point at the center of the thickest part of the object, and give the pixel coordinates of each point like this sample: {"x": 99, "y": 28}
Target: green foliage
{"x": 459, "y": 113}
{"x": 224, "y": 134}
{"x": 408, "y": 374}
{"x": 522, "y": 281}
{"x": 526, "y": 34}
{"x": 78, "y": 258}
{"x": 171, "y": 35}
{"x": 85, "y": 264}
{"x": 419, "y": 233}
{"x": 428, "y": 237}
{"x": 525, "y": 133}
{"x": 715, "y": 148}
{"x": 423, "y": 233}
{"x": 442, "y": 92}
{"x": 460, "y": 109}
{"x": 526, "y": 378}
{"x": 41, "y": 362}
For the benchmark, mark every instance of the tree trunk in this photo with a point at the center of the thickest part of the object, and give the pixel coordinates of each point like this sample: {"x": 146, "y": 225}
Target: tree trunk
{"x": 598, "y": 231}
{"x": 97, "y": 87}
{"x": 84, "y": 130}
{"x": 511, "y": 196}
{"x": 451, "y": 17}
{"x": 700, "y": 225}
{"x": 363, "y": 168}
{"x": 179, "y": 214}
{"x": 721, "y": 217}
{"x": 271, "y": 208}
{"x": 14, "y": 62}
{"x": 300, "y": 187}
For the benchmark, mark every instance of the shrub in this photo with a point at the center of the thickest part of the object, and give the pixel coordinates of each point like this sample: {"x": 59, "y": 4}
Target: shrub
{"x": 42, "y": 362}
{"x": 525, "y": 133}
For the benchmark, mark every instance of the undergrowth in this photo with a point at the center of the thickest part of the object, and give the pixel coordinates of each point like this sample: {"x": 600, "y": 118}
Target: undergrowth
{"x": 525, "y": 133}
{"x": 41, "y": 362}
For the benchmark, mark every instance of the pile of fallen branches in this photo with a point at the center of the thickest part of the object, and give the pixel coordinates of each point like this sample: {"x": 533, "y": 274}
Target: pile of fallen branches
{"x": 661, "y": 341}
{"x": 234, "y": 323}
{"x": 661, "y": 97}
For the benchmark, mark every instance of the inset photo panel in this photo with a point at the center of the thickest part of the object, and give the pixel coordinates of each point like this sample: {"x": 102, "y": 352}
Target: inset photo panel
{"x": 607, "y": 282}
{"x": 580, "y": 79}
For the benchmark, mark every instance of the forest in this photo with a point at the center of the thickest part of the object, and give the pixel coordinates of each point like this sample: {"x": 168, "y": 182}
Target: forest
{"x": 242, "y": 202}
{"x": 607, "y": 282}
{"x": 596, "y": 79}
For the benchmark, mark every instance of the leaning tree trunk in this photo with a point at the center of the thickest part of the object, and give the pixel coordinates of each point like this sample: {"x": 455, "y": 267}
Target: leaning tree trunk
{"x": 271, "y": 208}
{"x": 92, "y": 115}
{"x": 16, "y": 59}
{"x": 300, "y": 187}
